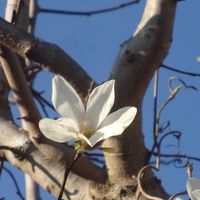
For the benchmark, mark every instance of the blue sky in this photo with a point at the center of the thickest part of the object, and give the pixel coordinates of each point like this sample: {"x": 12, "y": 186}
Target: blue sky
{"x": 94, "y": 43}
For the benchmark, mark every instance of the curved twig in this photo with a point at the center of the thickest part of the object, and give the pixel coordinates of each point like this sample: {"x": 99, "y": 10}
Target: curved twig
{"x": 177, "y": 194}
{"x": 176, "y": 134}
{"x": 172, "y": 90}
{"x": 141, "y": 190}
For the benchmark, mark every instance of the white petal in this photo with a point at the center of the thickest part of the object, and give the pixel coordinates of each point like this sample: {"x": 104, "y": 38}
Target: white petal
{"x": 196, "y": 193}
{"x": 99, "y": 104}
{"x": 114, "y": 124}
{"x": 193, "y": 186}
{"x": 61, "y": 130}
{"x": 65, "y": 100}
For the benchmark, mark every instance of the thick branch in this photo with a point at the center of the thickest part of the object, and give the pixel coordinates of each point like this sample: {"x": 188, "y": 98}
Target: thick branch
{"x": 47, "y": 166}
{"x": 18, "y": 84}
{"x": 47, "y": 173}
{"x": 133, "y": 69}
{"x": 58, "y": 153}
{"x": 51, "y": 150}
{"x": 20, "y": 17}
{"x": 48, "y": 55}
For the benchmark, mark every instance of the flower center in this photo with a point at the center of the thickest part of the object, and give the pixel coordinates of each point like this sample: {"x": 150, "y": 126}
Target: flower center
{"x": 88, "y": 132}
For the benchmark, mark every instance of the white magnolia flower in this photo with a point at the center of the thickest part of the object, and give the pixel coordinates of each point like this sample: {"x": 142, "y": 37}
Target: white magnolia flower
{"x": 193, "y": 188}
{"x": 87, "y": 125}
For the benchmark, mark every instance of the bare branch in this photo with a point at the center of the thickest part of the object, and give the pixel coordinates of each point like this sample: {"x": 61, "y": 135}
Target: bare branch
{"x": 155, "y": 95}
{"x": 140, "y": 188}
{"x": 88, "y": 13}
{"x": 180, "y": 71}
{"x": 1, "y": 165}
{"x": 18, "y": 84}
{"x": 176, "y": 134}
{"x": 177, "y": 156}
{"x": 155, "y": 112}
{"x": 32, "y": 15}
{"x": 40, "y": 98}
{"x": 48, "y": 174}
{"x": 45, "y": 172}
{"x": 49, "y": 55}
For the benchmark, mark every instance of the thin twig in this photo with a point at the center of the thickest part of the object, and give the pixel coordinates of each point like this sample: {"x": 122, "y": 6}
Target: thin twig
{"x": 163, "y": 127}
{"x": 88, "y": 13}
{"x": 182, "y": 83}
{"x": 179, "y": 71}
{"x": 42, "y": 105}
{"x": 174, "y": 92}
{"x": 31, "y": 72}
{"x": 16, "y": 12}
{"x": 189, "y": 167}
{"x": 15, "y": 183}
{"x": 177, "y": 156}
{"x": 1, "y": 165}
{"x": 67, "y": 170}
{"x": 155, "y": 112}
{"x": 177, "y": 134}
{"x": 171, "y": 96}
{"x": 38, "y": 96}
{"x": 177, "y": 194}
{"x": 32, "y": 15}
{"x": 141, "y": 190}
{"x": 155, "y": 95}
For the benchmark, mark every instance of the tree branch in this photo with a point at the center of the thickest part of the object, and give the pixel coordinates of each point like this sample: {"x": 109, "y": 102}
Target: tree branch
{"x": 18, "y": 84}
{"x": 23, "y": 154}
{"x": 20, "y": 18}
{"x": 88, "y": 13}
{"x": 133, "y": 69}
{"x": 180, "y": 71}
{"x": 50, "y": 56}
{"x": 57, "y": 154}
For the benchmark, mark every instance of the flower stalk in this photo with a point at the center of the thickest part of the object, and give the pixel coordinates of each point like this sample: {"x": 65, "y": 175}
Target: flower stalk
{"x": 66, "y": 174}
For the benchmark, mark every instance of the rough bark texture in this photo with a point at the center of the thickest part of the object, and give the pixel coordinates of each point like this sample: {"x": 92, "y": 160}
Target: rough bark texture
{"x": 133, "y": 69}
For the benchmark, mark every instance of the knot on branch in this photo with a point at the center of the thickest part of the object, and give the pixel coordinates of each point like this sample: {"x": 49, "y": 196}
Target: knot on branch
{"x": 151, "y": 31}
